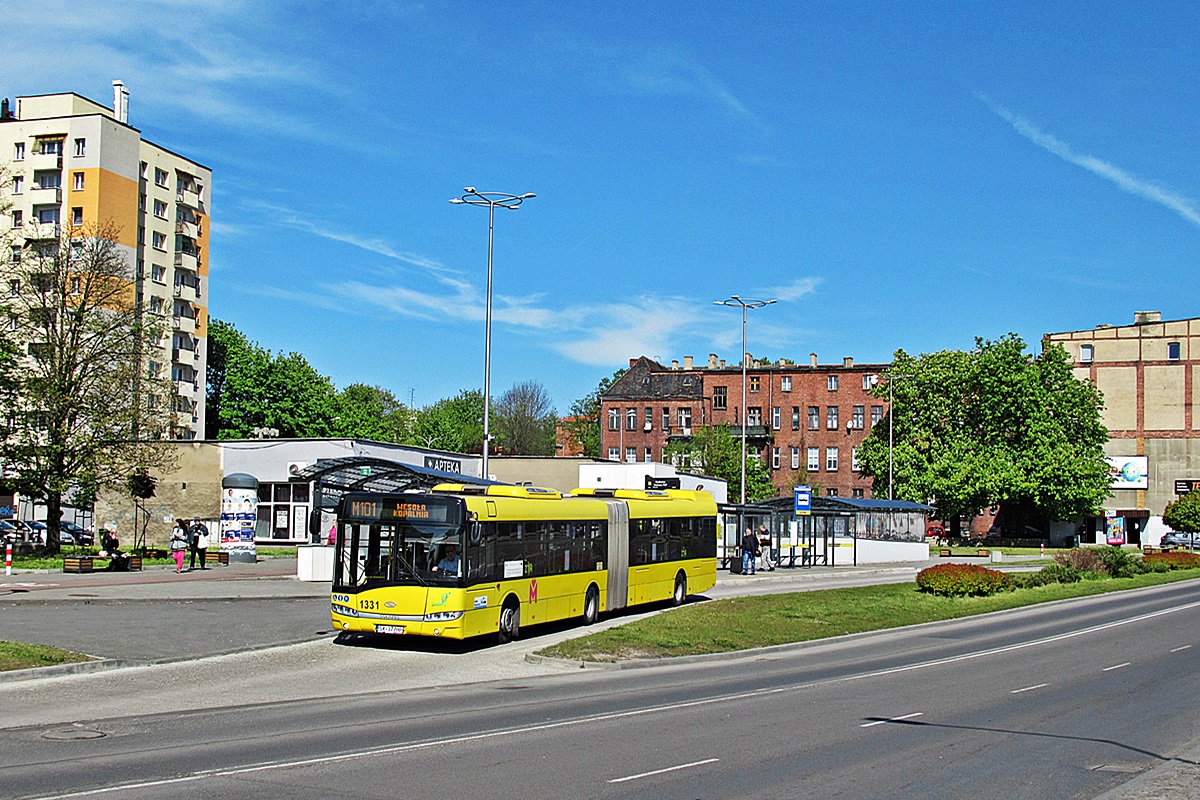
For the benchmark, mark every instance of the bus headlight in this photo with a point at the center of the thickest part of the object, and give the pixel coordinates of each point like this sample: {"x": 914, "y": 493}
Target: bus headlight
{"x": 443, "y": 616}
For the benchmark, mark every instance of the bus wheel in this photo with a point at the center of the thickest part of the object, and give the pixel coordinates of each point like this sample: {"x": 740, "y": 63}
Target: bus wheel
{"x": 510, "y": 621}
{"x": 591, "y": 605}
{"x": 680, "y": 590}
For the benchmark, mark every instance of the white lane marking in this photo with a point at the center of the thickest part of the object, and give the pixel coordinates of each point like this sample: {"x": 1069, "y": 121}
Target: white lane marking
{"x": 666, "y": 769}
{"x": 886, "y": 721}
{"x": 756, "y": 693}
{"x": 1180, "y": 649}
{"x": 1030, "y": 688}
{"x": 1115, "y": 666}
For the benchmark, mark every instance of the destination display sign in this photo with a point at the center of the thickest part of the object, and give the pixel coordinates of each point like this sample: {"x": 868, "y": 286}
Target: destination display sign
{"x": 386, "y": 508}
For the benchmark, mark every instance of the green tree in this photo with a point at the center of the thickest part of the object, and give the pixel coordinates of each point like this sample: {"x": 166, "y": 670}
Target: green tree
{"x": 91, "y": 403}
{"x": 250, "y": 389}
{"x": 525, "y": 420}
{"x": 583, "y": 423}
{"x": 993, "y": 426}
{"x": 1183, "y": 515}
{"x": 716, "y": 452}
{"x": 454, "y": 424}
{"x": 372, "y": 412}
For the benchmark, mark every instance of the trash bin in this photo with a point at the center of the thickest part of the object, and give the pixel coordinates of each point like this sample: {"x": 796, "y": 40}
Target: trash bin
{"x": 1071, "y": 541}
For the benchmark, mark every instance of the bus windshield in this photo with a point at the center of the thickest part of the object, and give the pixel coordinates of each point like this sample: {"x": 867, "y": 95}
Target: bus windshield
{"x": 402, "y": 552}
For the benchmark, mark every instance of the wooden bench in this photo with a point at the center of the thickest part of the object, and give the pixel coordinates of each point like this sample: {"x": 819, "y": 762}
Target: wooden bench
{"x": 83, "y": 564}
{"x": 945, "y": 551}
{"x": 216, "y": 557}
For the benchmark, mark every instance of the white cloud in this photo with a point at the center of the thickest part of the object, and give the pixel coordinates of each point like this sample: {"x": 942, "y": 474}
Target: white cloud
{"x": 1183, "y": 206}
{"x": 797, "y": 289}
{"x": 678, "y": 75}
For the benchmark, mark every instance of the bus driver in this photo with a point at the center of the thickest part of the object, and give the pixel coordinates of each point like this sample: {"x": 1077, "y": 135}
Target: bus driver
{"x": 449, "y": 562}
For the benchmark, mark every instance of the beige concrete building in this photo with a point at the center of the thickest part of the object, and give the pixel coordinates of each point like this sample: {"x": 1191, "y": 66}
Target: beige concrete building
{"x": 1149, "y": 373}
{"x": 71, "y": 161}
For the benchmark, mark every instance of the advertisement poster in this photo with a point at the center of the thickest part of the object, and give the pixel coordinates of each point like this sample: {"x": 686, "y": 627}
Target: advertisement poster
{"x": 1129, "y": 472}
{"x": 1115, "y": 530}
{"x": 239, "y": 512}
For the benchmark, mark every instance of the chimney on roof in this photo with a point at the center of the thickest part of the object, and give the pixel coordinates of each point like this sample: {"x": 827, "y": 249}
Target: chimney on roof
{"x": 687, "y": 362}
{"x": 722, "y": 363}
{"x": 632, "y": 361}
{"x": 120, "y": 102}
{"x": 712, "y": 360}
{"x": 847, "y": 362}
{"x": 1145, "y": 317}
{"x": 812, "y": 359}
{"x": 674, "y": 364}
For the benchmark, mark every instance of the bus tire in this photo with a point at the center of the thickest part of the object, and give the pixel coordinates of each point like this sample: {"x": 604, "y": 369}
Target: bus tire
{"x": 591, "y": 605}
{"x": 680, "y": 593}
{"x": 510, "y": 620}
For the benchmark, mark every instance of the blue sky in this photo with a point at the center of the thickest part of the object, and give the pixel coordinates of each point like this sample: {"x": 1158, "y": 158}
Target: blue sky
{"x": 907, "y": 175}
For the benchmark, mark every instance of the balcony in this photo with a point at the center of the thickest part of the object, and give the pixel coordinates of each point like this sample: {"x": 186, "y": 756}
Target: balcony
{"x": 36, "y": 160}
{"x": 186, "y": 389}
{"x": 187, "y": 260}
{"x": 183, "y": 324}
{"x": 48, "y": 195}
{"x": 188, "y": 229}
{"x": 190, "y": 196}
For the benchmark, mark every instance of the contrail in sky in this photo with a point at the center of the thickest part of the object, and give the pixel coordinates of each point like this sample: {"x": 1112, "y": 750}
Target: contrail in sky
{"x": 1181, "y": 205}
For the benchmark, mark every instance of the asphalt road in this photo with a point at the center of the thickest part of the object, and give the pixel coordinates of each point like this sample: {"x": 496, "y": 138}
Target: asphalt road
{"x": 1061, "y": 700}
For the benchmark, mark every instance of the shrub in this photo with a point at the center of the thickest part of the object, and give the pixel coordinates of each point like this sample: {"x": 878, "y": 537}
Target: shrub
{"x": 1081, "y": 560}
{"x": 1173, "y": 560}
{"x": 1118, "y": 563}
{"x": 1061, "y": 573}
{"x": 963, "y": 580}
{"x": 1031, "y": 580}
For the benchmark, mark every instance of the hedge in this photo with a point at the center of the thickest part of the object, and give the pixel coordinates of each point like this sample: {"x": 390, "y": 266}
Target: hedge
{"x": 963, "y": 580}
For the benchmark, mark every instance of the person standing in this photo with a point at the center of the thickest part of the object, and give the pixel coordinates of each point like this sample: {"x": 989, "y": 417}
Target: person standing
{"x": 764, "y": 549}
{"x": 202, "y": 543}
{"x": 179, "y": 544}
{"x": 749, "y": 551}
{"x": 198, "y": 530}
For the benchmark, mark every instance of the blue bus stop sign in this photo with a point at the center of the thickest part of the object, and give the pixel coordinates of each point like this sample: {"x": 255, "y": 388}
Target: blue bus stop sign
{"x": 803, "y": 498}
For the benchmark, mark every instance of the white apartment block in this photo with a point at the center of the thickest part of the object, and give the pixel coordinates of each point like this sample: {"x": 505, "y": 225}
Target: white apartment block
{"x": 72, "y": 161}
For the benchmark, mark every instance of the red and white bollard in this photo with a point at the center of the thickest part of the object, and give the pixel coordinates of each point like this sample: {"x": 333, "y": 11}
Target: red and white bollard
{"x": 8, "y": 558}
{"x": 1043, "y": 549}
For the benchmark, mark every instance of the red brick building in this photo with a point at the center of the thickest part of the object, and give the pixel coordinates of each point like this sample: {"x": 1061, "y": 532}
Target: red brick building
{"x": 801, "y": 418}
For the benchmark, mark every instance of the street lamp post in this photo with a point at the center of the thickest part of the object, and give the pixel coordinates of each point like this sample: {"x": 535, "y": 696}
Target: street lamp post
{"x": 492, "y": 200}
{"x": 745, "y": 303}
{"x": 891, "y": 379}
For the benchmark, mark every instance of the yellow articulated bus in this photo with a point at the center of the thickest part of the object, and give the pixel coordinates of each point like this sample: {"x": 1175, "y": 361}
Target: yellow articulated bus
{"x": 465, "y": 560}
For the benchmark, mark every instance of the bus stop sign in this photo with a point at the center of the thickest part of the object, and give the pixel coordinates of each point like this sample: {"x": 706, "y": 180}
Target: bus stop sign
{"x": 803, "y": 498}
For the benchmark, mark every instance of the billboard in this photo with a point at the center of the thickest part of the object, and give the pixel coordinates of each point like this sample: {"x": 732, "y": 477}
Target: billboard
{"x": 1129, "y": 472}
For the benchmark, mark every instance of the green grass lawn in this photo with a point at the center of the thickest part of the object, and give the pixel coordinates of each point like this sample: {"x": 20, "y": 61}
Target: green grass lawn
{"x": 18, "y": 655}
{"x": 741, "y": 623}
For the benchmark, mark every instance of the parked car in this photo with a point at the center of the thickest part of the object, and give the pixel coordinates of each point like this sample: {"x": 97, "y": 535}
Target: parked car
{"x": 1188, "y": 541}
{"x": 79, "y": 534}
{"x": 69, "y": 534}
{"x": 15, "y": 530}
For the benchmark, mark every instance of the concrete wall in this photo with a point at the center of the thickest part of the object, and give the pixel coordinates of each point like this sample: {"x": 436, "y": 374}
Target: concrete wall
{"x": 553, "y": 473}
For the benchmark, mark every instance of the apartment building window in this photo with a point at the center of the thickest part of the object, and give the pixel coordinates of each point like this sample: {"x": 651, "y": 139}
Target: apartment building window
{"x": 858, "y": 417}
{"x": 685, "y": 418}
{"x": 141, "y": 236}
{"x": 666, "y": 418}
{"x": 755, "y": 382}
{"x": 614, "y": 454}
{"x": 17, "y": 219}
{"x": 50, "y": 147}
{"x": 16, "y": 254}
{"x": 814, "y": 459}
{"x": 854, "y": 459}
{"x": 857, "y": 493}
{"x": 614, "y": 419}
{"x": 832, "y": 383}
{"x": 831, "y": 459}
{"x": 19, "y": 151}
{"x": 76, "y": 215}
{"x": 720, "y": 398}
{"x": 869, "y": 382}
{"x": 80, "y": 148}
{"x": 785, "y": 383}
{"x": 160, "y": 209}
{"x": 876, "y": 415}
{"x": 831, "y": 493}
{"x": 159, "y": 241}
{"x": 649, "y": 418}
{"x": 1173, "y": 351}
{"x": 754, "y": 416}
{"x": 630, "y": 419}
{"x": 158, "y": 274}
{"x": 776, "y": 417}
{"x": 649, "y": 455}
{"x": 47, "y": 179}
{"x": 78, "y": 178}
{"x": 75, "y": 285}
{"x": 14, "y": 321}
{"x": 1085, "y": 353}
{"x": 774, "y": 458}
{"x": 156, "y": 305}
{"x": 154, "y": 368}
{"x": 18, "y": 184}
{"x": 160, "y": 177}
{"x": 831, "y": 418}
{"x": 814, "y": 418}
{"x": 48, "y": 216}
{"x": 795, "y": 458}
{"x": 795, "y": 418}
{"x": 631, "y": 455}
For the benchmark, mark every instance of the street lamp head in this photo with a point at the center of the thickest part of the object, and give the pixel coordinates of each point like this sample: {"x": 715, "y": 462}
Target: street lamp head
{"x": 469, "y": 190}
{"x": 528, "y": 195}
{"x": 458, "y": 201}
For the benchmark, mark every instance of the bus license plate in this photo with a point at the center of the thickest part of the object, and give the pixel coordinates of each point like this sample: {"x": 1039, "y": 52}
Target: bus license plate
{"x": 389, "y": 629}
